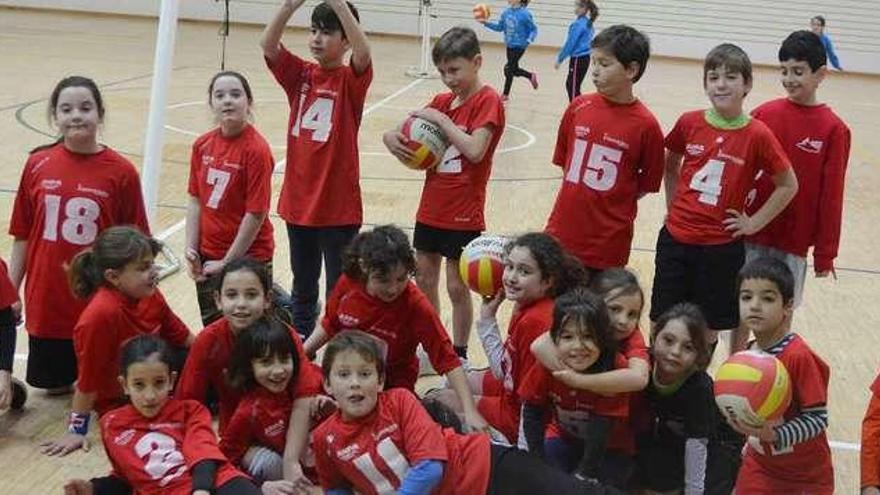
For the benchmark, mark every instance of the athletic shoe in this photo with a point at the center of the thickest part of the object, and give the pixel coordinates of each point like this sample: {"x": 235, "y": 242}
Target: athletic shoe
{"x": 534, "y": 80}
{"x": 19, "y": 395}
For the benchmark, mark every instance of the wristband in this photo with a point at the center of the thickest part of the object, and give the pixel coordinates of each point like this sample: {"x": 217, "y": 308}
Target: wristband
{"x": 79, "y": 423}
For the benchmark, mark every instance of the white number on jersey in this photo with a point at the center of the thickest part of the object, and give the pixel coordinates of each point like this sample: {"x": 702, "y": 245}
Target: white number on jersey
{"x": 707, "y": 181}
{"x": 164, "y": 462}
{"x": 756, "y": 444}
{"x": 601, "y": 173}
{"x": 395, "y": 460}
{"x": 451, "y": 162}
{"x": 80, "y": 224}
{"x": 219, "y": 179}
{"x": 318, "y": 118}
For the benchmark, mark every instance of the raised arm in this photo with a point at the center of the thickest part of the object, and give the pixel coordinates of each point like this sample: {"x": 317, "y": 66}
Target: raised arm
{"x": 360, "y": 48}
{"x": 270, "y": 40}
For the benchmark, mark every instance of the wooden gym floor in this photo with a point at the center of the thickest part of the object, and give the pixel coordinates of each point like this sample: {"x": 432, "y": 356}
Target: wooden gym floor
{"x": 839, "y": 318}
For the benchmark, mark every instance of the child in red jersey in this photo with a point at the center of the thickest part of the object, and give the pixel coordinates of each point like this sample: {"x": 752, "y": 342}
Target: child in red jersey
{"x": 243, "y": 297}
{"x": 69, "y": 192}
{"x": 156, "y": 444}
{"x": 385, "y": 442}
{"x": 377, "y": 296}
{"x": 326, "y": 102}
{"x": 817, "y": 142}
{"x": 777, "y": 453}
{"x": 869, "y": 457}
{"x": 230, "y": 184}
{"x": 610, "y": 148}
{"x": 451, "y": 210}
{"x": 119, "y": 277}
{"x": 700, "y": 248}
{"x": 581, "y": 420}
{"x": 13, "y": 393}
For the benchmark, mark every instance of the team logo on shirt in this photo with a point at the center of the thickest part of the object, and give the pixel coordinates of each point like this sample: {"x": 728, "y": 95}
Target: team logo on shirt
{"x": 734, "y": 159}
{"x": 124, "y": 437}
{"x": 50, "y": 184}
{"x": 581, "y": 131}
{"x": 619, "y": 142}
{"x": 207, "y": 159}
{"x": 349, "y": 320}
{"x": 810, "y": 145}
{"x": 385, "y": 431}
{"x": 92, "y": 190}
{"x": 234, "y": 166}
{"x": 275, "y": 429}
{"x": 694, "y": 149}
{"x": 348, "y": 453}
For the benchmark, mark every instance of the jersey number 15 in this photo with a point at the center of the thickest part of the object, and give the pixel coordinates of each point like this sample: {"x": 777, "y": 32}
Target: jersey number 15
{"x": 601, "y": 173}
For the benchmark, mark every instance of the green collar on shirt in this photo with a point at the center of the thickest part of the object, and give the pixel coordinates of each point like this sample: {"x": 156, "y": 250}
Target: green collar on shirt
{"x": 719, "y": 122}
{"x": 666, "y": 390}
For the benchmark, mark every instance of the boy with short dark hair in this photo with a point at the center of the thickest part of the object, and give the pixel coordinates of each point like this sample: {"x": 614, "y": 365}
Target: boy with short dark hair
{"x": 320, "y": 199}
{"x": 712, "y": 159}
{"x": 610, "y": 147}
{"x": 817, "y": 142}
{"x": 777, "y": 453}
{"x": 451, "y": 211}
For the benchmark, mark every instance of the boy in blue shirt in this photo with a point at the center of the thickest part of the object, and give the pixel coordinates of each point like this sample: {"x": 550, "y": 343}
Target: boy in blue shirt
{"x": 519, "y": 31}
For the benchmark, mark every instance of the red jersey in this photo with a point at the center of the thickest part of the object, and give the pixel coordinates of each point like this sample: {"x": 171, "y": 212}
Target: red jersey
{"x": 610, "y": 155}
{"x": 231, "y": 177}
{"x": 63, "y": 201}
{"x": 372, "y": 454}
{"x": 869, "y": 459}
{"x": 8, "y": 294}
{"x": 156, "y": 455}
{"x": 402, "y": 324}
{"x": 261, "y": 418}
{"x": 817, "y": 142}
{"x": 768, "y": 470}
{"x": 622, "y": 437}
{"x": 717, "y": 173}
{"x": 206, "y": 368}
{"x": 634, "y": 346}
{"x": 322, "y": 176}
{"x": 571, "y": 408}
{"x": 454, "y": 194}
{"x": 110, "y": 319}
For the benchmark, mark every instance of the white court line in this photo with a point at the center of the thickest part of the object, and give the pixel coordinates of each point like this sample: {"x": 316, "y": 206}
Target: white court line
{"x": 170, "y": 231}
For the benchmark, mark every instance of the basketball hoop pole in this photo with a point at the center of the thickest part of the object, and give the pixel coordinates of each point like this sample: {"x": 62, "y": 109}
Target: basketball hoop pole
{"x": 424, "y": 70}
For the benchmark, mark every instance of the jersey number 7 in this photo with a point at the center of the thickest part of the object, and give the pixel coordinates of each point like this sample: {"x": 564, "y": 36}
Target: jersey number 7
{"x": 601, "y": 173}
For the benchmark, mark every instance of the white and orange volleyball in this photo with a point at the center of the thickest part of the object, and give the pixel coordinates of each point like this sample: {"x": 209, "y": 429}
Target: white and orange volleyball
{"x": 482, "y": 264}
{"x": 753, "y": 387}
{"x": 481, "y": 12}
{"x": 426, "y": 141}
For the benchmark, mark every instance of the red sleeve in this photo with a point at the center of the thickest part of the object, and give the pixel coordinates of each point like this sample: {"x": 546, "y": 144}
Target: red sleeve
{"x": 674, "y": 141}
{"x": 131, "y": 202}
{"x": 194, "y": 165}
{"x": 359, "y": 84}
{"x": 328, "y": 476}
{"x": 432, "y": 335}
{"x": 194, "y": 379}
{"x": 831, "y": 199}
{"x": 560, "y": 154}
{"x": 616, "y": 405}
{"x": 773, "y": 159}
{"x": 330, "y": 322}
{"x": 288, "y": 71}
{"x": 239, "y": 432}
{"x": 108, "y": 433}
{"x": 200, "y": 442}
{"x": 423, "y": 438}
{"x": 870, "y": 452}
{"x": 490, "y": 114}
{"x": 96, "y": 342}
{"x": 651, "y": 160}
{"x": 22, "y": 209}
{"x": 634, "y": 346}
{"x": 809, "y": 376}
{"x": 535, "y": 385}
{"x": 259, "y": 176}
{"x": 173, "y": 329}
{"x": 8, "y": 294}
{"x": 529, "y": 329}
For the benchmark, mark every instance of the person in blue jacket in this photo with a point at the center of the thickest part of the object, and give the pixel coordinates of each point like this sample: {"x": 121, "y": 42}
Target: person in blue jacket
{"x": 577, "y": 46}
{"x": 817, "y": 25}
{"x": 519, "y": 31}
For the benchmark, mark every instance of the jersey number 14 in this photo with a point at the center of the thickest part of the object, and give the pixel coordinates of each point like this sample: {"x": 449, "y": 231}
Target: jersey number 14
{"x": 318, "y": 118}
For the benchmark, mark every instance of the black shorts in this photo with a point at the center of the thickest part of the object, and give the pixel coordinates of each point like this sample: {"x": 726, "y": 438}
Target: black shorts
{"x": 703, "y": 275}
{"x": 51, "y": 362}
{"x": 449, "y": 243}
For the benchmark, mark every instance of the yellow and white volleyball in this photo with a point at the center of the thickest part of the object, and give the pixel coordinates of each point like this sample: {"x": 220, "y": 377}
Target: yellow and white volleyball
{"x": 752, "y": 387}
{"x": 482, "y": 264}
{"x": 426, "y": 141}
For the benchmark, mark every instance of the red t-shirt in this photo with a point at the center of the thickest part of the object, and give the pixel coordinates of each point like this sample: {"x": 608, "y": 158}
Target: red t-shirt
{"x": 766, "y": 468}
{"x": 571, "y": 408}
{"x": 110, "y": 319}
{"x": 717, "y": 173}
{"x": 622, "y": 436}
{"x": 454, "y": 194}
{"x": 206, "y": 368}
{"x": 634, "y": 346}
{"x": 231, "y": 177}
{"x": 322, "y": 176}
{"x": 817, "y": 142}
{"x": 610, "y": 155}
{"x": 64, "y": 201}
{"x": 402, "y": 324}
{"x": 156, "y": 455}
{"x": 373, "y": 454}
{"x": 8, "y": 294}
{"x": 261, "y": 418}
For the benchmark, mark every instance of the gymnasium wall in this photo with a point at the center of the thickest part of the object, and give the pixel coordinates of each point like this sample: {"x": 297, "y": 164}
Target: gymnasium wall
{"x": 680, "y": 28}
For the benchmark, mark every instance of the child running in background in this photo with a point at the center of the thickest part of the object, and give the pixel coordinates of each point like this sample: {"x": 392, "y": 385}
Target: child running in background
{"x": 13, "y": 393}
{"x": 376, "y": 295}
{"x": 519, "y": 30}
{"x": 581, "y": 420}
{"x": 386, "y": 442}
{"x": 230, "y": 185}
{"x": 119, "y": 278}
{"x": 817, "y": 25}
{"x": 453, "y": 203}
{"x": 577, "y": 46}
{"x": 157, "y": 444}
{"x": 776, "y": 454}
{"x": 688, "y": 447}
{"x": 326, "y": 105}
{"x": 70, "y": 191}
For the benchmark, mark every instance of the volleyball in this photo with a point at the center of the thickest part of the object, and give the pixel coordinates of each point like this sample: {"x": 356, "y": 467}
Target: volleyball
{"x": 481, "y": 12}
{"x": 426, "y": 141}
{"x": 752, "y": 387}
{"x": 482, "y": 264}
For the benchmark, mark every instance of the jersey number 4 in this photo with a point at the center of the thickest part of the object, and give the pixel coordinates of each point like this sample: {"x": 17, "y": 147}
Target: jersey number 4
{"x": 80, "y": 223}
{"x": 318, "y": 118}
{"x": 601, "y": 173}
{"x": 707, "y": 181}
